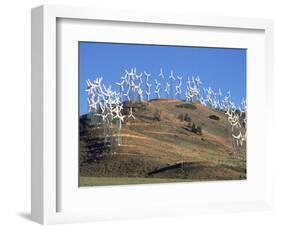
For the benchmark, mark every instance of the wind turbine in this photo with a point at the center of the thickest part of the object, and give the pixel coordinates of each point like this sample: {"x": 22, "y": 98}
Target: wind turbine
{"x": 120, "y": 84}
{"x": 157, "y": 88}
{"x": 139, "y": 77}
{"x": 243, "y": 107}
{"x": 148, "y": 92}
{"x": 140, "y": 94}
{"x": 178, "y": 87}
{"x": 171, "y": 78}
{"x": 192, "y": 90}
{"x": 167, "y": 89}
{"x": 239, "y": 139}
{"x": 127, "y": 94}
{"x": 157, "y": 83}
{"x": 218, "y": 102}
{"x": 120, "y": 118}
{"x": 157, "y": 93}
{"x": 161, "y": 75}
{"x": 198, "y": 81}
{"x": 209, "y": 96}
{"x": 131, "y": 114}
{"x": 147, "y": 75}
{"x": 121, "y": 88}
{"x": 93, "y": 104}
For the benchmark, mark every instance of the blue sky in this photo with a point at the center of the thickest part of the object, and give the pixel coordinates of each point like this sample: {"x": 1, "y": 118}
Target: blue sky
{"x": 217, "y": 67}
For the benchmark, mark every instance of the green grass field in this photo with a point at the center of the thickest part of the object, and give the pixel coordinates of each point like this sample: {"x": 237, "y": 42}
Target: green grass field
{"x": 101, "y": 181}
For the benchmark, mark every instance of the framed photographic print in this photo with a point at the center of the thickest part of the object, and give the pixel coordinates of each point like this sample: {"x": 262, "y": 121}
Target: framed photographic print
{"x": 157, "y": 126}
{"x": 140, "y": 114}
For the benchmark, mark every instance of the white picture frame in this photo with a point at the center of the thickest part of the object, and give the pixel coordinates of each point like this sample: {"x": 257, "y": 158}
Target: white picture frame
{"x": 50, "y": 205}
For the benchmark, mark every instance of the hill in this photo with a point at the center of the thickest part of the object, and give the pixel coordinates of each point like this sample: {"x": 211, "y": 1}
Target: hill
{"x": 168, "y": 139}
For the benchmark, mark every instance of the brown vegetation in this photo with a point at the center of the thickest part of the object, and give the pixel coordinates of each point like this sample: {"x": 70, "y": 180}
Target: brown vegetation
{"x": 168, "y": 139}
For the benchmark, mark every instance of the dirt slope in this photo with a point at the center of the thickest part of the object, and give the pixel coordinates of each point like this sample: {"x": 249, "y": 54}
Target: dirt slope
{"x": 165, "y": 142}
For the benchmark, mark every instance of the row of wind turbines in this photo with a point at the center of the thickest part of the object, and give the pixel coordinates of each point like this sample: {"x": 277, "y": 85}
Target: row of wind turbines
{"x": 105, "y": 105}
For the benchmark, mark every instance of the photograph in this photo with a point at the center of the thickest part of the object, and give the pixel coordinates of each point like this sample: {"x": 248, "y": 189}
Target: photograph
{"x": 156, "y": 113}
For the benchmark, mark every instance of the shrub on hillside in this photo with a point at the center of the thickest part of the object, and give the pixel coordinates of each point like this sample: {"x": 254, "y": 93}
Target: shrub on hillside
{"x": 187, "y": 118}
{"x": 184, "y": 117}
{"x": 214, "y": 117}
{"x": 157, "y": 115}
{"x": 199, "y": 130}
{"x": 187, "y": 105}
{"x": 192, "y": 127}
{"x": 181, "y": 117}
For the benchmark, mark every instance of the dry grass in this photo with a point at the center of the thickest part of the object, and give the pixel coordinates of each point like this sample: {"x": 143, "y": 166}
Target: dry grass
{"x": 148, "y": 144}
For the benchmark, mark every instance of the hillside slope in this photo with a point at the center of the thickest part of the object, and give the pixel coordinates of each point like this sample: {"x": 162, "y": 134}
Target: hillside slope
{"x": 168, "y": 139}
